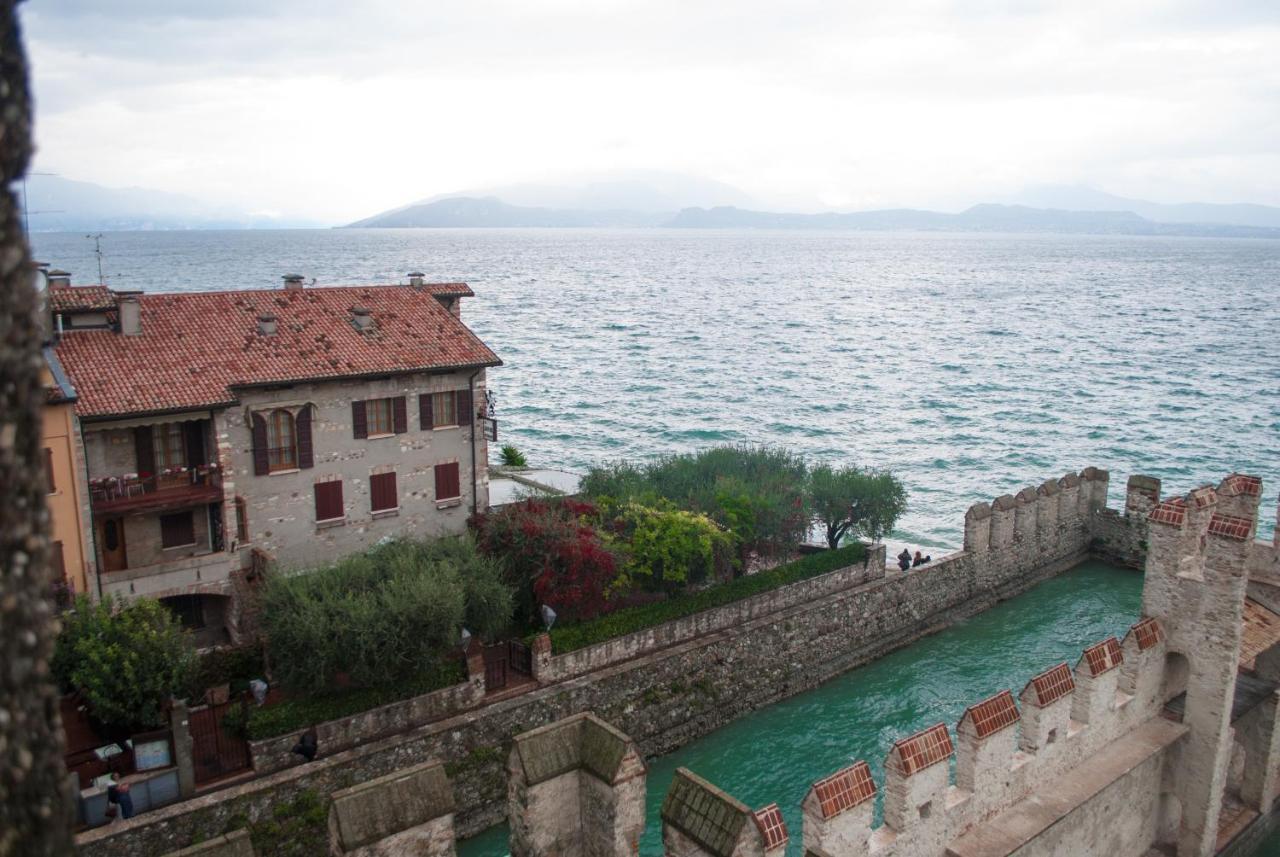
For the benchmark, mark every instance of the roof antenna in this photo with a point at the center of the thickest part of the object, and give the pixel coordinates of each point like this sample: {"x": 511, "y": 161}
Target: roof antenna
{"x": 97, "y": 251}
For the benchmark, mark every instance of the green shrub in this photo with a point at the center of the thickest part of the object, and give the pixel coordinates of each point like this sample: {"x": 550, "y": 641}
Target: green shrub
{"x": 233, "y": 665}
{"x": 127, "y": 659}
{"x": 382, "y": 616}
{"x": 512, "y": 457}
{"x": 628, "y": 620}
{"x": 667, "y": 548}
{"x": 293, "y": 714}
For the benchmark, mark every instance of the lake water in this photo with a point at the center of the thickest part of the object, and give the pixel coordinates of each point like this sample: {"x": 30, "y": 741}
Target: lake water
{"x": 972, "y": 364}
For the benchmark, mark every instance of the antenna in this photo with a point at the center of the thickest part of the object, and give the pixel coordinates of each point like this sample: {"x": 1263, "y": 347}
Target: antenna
{"x": 97, "y": 251}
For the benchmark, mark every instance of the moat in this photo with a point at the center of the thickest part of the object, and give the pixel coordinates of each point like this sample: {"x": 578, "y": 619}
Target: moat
{"x": 776, "y": 753}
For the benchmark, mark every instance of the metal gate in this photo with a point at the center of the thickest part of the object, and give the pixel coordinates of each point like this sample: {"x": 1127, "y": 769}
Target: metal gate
{"x": 520, "y": 657}
{"x": 495, "y": 667}
{"x": 216, "y": 749}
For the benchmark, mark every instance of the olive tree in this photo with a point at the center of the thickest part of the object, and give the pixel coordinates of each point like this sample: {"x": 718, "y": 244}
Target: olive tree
{"x": 851, "y": 501}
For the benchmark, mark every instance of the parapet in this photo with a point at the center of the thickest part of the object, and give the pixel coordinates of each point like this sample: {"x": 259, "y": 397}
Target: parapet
{"x": 234, "y": 844}
{"x": 581, "y": 742}
{"x": 410, "y": 810}
{"x": 1044, "y": 520}
{"x": 1210, "y": 530}
{"x": 700, "y": 819}
{"x": 838, "y": 811}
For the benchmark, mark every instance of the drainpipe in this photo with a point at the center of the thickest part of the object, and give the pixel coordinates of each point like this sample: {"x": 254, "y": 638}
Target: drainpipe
{"x": 475, "y": 500}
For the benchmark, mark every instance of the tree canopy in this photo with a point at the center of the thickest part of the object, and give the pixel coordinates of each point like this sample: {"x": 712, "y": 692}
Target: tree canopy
{"x": 851, "y": 501}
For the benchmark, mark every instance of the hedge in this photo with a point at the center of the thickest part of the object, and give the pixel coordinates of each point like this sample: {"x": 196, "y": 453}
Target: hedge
{"x": 630, "y": 619}
{"x": 293, "y": 714}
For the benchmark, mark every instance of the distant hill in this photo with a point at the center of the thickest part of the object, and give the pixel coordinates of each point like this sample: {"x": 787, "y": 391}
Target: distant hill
{"x": 1080, "y": 198}
{"x": 493, "y": 212}
{"x": 980, "y": 218}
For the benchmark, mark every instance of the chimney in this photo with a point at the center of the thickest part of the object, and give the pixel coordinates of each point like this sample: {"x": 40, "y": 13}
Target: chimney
{"x": 416, "y": 279}
{"x": 361, "y": 319}
{"x": 293, "y": 281}
{"x": 59, "y": 279}
{"x": 267, "y": 324}
{"x": 40, "y": 282}
{"x": 130, "y": 313}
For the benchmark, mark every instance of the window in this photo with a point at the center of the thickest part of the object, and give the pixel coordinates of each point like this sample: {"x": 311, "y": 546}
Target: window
{"x": 56, "y": 560}
{"x": 380, "y": 416}
{"x": 444, "y": 409}
{"x": 168, "y": 446}
{"x": 48, "y": 470}
{"x": 329, "y": 502}
{"x": 189, "y": 610}
{"x": 177, "y": 530}
{"x": 282, "y": 442}
{"x": 448, "y": 486}
{"x": 382, "y": 490}
{"x": 242, "y": 520}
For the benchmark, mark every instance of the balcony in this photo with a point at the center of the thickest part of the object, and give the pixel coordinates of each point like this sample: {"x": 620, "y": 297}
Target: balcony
{"x": 174, "y": 488}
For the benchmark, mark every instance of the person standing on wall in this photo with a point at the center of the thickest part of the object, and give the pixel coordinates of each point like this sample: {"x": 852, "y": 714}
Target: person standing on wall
{"x": 118, "y": 795}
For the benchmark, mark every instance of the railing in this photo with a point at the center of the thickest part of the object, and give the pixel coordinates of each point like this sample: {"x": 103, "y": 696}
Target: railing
{"x": 122, "y": 490}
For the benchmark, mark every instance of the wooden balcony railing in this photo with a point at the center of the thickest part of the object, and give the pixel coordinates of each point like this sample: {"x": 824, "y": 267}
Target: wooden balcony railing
{"x": 174, "y": 486}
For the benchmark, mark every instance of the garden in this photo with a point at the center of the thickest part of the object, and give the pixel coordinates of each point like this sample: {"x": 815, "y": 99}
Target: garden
{"x": 642, "y": 544}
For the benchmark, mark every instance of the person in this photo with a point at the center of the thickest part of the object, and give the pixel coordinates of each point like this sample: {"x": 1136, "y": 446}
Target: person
{"x": 118, "y": 794}
{"x": 307, "y": 745}
{"x": 921, "y": 559}
{"x": 904, "y": 559}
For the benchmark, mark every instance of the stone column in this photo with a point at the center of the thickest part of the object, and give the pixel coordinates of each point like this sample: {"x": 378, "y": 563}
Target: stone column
{"x": 180, "y": 726}
{"x": 837, "y": 813}
{"x": 541, "y": 656}
{"x": 985, "y": 745}
{"x": 915, "y": 789}
{"x": 1046, "y": 708}
{"x": 977, "y": 529}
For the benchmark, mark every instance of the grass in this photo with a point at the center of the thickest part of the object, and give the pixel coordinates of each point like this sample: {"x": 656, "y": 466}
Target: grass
{"x": 294, "y": 714}
{"x": 631, "y": 619}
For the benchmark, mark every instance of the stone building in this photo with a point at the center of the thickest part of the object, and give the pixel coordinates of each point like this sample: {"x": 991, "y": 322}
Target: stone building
{"x": 297, "y": 425}
{"x": 71, "y": 553}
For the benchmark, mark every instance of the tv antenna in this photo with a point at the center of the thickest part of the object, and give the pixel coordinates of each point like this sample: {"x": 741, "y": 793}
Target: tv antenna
{"x": 97, "y": 251}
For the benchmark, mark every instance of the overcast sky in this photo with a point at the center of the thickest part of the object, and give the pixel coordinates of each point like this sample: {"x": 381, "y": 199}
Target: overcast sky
{"x": 336, "y": 110}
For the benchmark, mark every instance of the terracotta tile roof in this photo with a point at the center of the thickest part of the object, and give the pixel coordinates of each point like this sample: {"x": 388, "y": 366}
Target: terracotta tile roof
{"x": 1103, "y": 657}
{"x": 1049, "y": 686}
{"x": 925, "y": 748}
{"x": 1148, "y": 632}
{"x": 197, "y": 347}
{"x": 88, "y": 298}
{"x": 1261, "y": 632}
{"x": 1230, "y": 527}
{"x": 1203, "y": 496}
{"x": 1172, "y": 512}
{"x": 1240, "y": 483}
{"x": 772, "y": 827}
{"x": 992, "y": 714}
{"x": 844, "y": 789}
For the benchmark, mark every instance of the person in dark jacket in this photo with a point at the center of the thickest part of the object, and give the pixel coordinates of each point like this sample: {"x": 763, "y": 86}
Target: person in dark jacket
{"x": 904, "y": 559}
{"x": 307, "y": 745}
{"x": 921, "y": 559}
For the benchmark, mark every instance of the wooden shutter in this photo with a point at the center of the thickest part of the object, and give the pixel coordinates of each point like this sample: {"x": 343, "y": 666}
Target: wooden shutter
{"x": 48, "y": 470}
{"x": 463, "y": 405}
{"x": 382, "y": 488}
{"x": 144, "y": 451}
{"x": 447, "y": 483}
{"x": 426, "y": 414}
{"x": 399, "y": 417}
{"x": 56, "y": 560}
{"x": 359, "y": 419}
{"x": 261, "y": 463}
{"x": 302, "y": 425}
{"x": 177, "y": 530}
{"x": 193, "y": 437}
{"x": 329, "y": 501}
{"x": 242, "y": 520}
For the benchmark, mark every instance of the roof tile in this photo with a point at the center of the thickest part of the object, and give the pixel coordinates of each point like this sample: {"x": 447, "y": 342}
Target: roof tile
{"x": 919, "y": 751}
{"x": 772, "y": 827}
{"x": 844, "y": 789}
{"x": 1049, "y": 686}
{"x": 1230, "y": 527}
{"x": 1148, "y": 632}
{"x": 1103, "y": 657}
{"x": 196, "y": 347}
{"x": 992, "y": 714}
{"x": 85, "y": 298}
{"x": 1172, "y": 512}
{"x": 1241, "y": 483}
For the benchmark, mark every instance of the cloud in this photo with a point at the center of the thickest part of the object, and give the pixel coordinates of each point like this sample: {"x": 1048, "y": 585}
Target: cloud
{"x": 336, "y": 110}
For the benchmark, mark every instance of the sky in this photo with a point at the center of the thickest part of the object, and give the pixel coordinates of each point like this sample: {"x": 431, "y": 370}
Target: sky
{"x": 337, "y": 110}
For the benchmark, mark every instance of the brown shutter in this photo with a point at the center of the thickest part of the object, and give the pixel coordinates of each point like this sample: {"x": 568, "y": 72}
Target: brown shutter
{"x": 464, "y": 408}
{"x": 399, "y": 417}
{"x": 359, "y": 419}
{"x": 382, "y": 488}
{"x": 48, "y": 470}
{"x": 177, "y": 530}
{"x": 447, "y": 481}
{"x": 261, "y": 463}
{"x": 193, "y": 440}
{"x": 426, "y": 414}
{"x": 56, "y": 560}
{"x": 328, "y": 500}
{"x": 302, "y": 424}
{"x": 144, "y": 451}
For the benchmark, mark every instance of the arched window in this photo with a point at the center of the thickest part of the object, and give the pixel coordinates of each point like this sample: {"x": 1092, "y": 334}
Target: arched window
{"x": 282, "y": 441}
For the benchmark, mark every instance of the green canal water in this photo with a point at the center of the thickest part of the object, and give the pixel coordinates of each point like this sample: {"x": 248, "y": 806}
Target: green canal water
{"x": 776, "y": 753}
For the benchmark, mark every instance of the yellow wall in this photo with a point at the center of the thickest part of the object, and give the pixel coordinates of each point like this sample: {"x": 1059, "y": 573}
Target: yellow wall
{"x": 66, "y": 509}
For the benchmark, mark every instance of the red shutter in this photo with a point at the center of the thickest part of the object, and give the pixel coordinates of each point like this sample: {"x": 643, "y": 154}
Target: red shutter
{"x": 426, "y": 414}
{"x": 359, "y": 420}
{"x": 328, "y": 501}
{"x": 382, "y": 488}
{"x": 144, "y": 451}
{"x": 399, "y": 417}
{"x": 48, "y": 470}
{"x": 447, "y": 485}
{"x": 302, "y": 424}
{"x": 464, "y": 408}
{"x": 261, "y": 463}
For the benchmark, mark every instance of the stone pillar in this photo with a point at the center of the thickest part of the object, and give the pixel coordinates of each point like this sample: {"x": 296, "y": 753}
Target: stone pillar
{"x": 1024, "y": 523}
{"x": 1097, "y": 678}
{"x": 1141, "y": 495}
{"x": 575, "y": 787}
{"x": 1093, "y": 491}
{"x": 1142, "y": 675}
{"x": 984, "y": 752}
{"x": 1046, "y": 709}
{"x": 1002, "y": 521}
{"x": 915, "y": 789}
{"x": 180, "y": 726}
{"x": 1048, "y": 536}
{"x": 838, "y": 812}
{"x": 1262, "y": 768}
{"x": 404, "y": 812}
{"x": 1069, "y": 500}
{"x": 1240, "y": 495}
{"x": 541, "y": 648}
{"x": 475, "y": 669}
{"x": 977, "y": 529}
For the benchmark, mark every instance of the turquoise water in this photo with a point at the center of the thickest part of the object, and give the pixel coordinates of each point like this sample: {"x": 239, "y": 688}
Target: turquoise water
{"x": 973, "y": 364}
{"x": 775, "y": 754}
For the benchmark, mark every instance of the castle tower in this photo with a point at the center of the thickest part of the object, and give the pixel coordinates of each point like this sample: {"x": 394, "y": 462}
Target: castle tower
{"x": 1195, "y": 587}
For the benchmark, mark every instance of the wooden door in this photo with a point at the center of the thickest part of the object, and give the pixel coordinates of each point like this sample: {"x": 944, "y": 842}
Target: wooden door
{"x": 111, "y": 540}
